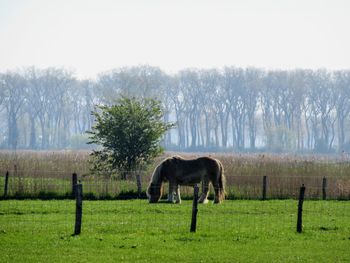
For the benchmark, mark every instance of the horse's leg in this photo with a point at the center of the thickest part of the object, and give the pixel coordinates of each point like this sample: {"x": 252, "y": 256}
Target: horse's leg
{"x": 205, "y": 191}
{"x": 216, "y": 190}
{"x": 171, "y": 192}
{"x": 178, "y": 197}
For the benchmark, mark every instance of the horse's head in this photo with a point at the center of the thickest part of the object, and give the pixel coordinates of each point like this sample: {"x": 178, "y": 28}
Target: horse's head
{"x": 154, "y": 192}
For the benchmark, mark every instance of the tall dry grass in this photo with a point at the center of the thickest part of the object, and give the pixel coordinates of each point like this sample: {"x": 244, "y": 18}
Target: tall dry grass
{"x": 35, "y": 172}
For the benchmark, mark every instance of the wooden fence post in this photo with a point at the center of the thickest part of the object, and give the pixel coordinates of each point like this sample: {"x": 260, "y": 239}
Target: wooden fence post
{"x": 78, "y": 208}
{"x": 300, "y": 209}
{"x": 6, "y": 184}
{"x": 194, "y": 208}
{"x": 74, "y": 183}
{"x": 264, "y": 187}
{"x": 324, "y": 188}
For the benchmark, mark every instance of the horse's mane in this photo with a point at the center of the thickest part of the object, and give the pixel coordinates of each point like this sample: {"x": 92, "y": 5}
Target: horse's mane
{"x": 175, "y": 157}
{"x": 157, "y": 174}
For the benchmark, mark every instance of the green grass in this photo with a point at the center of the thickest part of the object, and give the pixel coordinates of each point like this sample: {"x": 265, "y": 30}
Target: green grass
{"x": 135, "y": 231}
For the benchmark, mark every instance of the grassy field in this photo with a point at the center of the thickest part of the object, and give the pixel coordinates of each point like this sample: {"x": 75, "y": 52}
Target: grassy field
{"x": 135, "y": 231}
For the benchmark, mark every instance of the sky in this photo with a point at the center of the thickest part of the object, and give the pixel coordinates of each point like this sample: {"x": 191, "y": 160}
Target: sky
{"x": 94, "y": 36}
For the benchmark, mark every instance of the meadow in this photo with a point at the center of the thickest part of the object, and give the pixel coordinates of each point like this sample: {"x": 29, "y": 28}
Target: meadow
{"x": 135, "y": 231}
{"x": 239, "y": 230}
{"x": 47, "y": 175}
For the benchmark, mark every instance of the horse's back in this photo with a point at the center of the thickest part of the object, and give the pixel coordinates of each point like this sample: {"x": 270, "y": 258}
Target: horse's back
{"x": 191, "y": 171}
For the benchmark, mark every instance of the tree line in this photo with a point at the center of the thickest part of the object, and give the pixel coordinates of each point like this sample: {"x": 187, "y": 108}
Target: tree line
{"x": 229, "y": 109}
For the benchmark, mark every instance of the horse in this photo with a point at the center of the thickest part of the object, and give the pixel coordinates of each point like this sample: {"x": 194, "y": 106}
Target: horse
{"x": 179, "y": 171}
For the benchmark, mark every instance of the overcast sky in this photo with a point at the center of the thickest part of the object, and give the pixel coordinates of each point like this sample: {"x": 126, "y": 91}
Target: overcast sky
{"x": 94, "y": 36}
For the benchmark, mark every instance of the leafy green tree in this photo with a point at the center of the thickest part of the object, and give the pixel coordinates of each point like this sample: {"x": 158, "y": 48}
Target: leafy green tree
{"x": 129, "y": 133}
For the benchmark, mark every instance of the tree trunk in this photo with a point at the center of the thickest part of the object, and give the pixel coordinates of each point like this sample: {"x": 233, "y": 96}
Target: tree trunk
{"x": 123, "y": 175}
{"x": 12, "y": 131}
{"x": 139, "y": 185}
{"x": 32, "y": 139}
{"x": 223, "y": 122}
{"x": 207, "y": 131}
{"x": 341, "y": 134}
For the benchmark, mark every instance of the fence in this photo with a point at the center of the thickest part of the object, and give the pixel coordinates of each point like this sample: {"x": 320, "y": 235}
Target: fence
{"x": 59, "y": 185}
{"x": 137, "y": 217}
{"x": 113, "y": 216}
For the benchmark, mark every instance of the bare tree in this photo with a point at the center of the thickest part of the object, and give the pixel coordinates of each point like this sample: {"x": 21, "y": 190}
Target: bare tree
{"x": 14, "y": 90}
{"x": 342, "y": 97}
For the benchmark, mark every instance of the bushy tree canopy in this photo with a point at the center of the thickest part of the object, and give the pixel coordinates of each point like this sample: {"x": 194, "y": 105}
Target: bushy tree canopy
{"x": 129, "y": 133}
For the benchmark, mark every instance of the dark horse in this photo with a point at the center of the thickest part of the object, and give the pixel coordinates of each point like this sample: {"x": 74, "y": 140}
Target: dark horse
{"x": 179, "y": 171}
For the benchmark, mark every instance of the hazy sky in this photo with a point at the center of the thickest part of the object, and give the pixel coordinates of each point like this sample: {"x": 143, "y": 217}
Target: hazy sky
{"x": 94, "y": 36}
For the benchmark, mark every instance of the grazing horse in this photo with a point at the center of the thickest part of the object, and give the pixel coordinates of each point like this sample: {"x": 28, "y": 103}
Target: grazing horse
{"x": 179, "y": 171}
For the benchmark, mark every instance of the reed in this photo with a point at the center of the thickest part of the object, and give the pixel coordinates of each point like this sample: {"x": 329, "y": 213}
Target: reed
{"x": 40, "y": 173}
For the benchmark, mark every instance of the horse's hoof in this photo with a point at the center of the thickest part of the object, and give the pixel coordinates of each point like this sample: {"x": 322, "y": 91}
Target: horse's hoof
{"x": 205, "y": 201}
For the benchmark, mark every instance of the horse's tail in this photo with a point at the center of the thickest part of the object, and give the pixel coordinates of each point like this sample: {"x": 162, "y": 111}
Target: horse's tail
{"x": 222, "y": 192}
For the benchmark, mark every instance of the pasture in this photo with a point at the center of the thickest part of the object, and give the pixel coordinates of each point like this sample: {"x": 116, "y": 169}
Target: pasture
{"x": 136, "y": 231}
{"x": 242, "y": 229}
